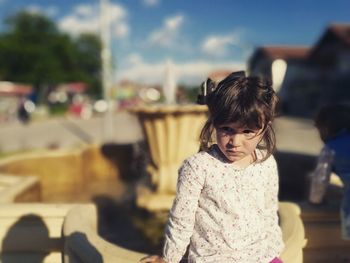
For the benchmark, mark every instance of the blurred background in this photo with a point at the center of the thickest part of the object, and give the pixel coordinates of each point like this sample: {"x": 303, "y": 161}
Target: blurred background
{"x": 53, "y": 67}
{"x": 51, "y": 52}
{"x": 72, "y": 72}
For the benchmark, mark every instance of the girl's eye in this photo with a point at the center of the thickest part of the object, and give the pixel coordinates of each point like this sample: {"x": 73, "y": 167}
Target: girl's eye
{"x": 249, "y": 133}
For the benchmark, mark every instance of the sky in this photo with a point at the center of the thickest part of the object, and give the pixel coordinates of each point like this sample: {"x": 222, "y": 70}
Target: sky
{"x": 196, "y": 37}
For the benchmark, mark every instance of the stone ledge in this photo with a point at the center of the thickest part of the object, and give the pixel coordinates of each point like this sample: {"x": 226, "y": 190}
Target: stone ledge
{"x": 32, "y": 232}
{"x": 14, "y": 188}
{"x": 293, "y": 232}
{"x": 84, "y": 245}
{"x": 53, "y": 257}
{"x": 323, "y": 232}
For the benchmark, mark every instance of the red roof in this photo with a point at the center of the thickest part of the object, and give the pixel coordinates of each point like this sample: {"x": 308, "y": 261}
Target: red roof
{"x": 74, "y": 87}
{"x": 339, "y": 33}
{"x": 285, "y": 52}
{"x": 218, "y": 75}
{"x": 342, "y": 31}
{"x": 9, "y": 88}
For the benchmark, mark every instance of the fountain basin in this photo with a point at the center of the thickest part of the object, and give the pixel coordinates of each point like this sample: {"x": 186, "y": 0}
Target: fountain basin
{"x": 61, "y": 173}
{"x": 37, "y": 191}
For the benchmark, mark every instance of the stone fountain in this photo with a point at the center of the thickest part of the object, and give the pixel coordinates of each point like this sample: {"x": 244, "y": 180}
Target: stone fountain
{"x": 172, "y": 133}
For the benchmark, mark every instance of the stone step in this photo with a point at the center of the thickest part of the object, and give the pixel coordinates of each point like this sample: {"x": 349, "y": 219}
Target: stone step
{"x": 53, "y": 257}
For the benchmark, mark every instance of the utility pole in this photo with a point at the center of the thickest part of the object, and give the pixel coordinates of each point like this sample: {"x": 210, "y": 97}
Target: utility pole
{"x": 106, "y": 56}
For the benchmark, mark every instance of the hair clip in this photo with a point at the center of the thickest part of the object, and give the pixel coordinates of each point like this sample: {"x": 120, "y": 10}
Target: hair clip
{"x": 209, "y": 86}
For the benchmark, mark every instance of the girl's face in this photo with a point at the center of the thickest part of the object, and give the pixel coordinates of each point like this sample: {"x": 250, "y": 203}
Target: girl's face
{"x": 237, "y": 142}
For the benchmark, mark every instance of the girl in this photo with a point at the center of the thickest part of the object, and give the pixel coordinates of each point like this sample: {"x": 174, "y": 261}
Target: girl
{"x": 333, "y": 124}
{"x": 226, "y": 201}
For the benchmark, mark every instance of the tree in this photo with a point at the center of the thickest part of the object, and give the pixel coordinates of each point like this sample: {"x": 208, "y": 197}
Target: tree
{"x": 89, "y": 61}
{"x": 33, "y": 51}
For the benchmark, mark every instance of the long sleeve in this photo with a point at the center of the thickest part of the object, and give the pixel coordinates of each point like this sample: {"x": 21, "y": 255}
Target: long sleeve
{"x": 271, "y": 207}
{"x": 182, "y": 214}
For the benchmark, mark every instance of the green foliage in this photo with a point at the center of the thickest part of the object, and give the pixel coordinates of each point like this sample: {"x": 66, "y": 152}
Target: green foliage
{"x": 33, "y": 51}
{"x": 58, "y": 109}
{"x": 188, "y": 94}
{"x": 89, "y": 61}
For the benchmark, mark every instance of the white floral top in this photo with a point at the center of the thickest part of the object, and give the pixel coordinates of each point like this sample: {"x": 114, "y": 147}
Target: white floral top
{"x": 226, "y": 214}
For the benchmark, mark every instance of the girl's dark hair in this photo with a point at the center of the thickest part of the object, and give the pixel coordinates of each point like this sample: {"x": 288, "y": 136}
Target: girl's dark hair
{"x": 332, "y": 119}
{"x": 250, "y": 101}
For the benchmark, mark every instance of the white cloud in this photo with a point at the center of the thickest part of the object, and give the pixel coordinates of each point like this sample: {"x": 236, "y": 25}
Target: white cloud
{"x": 173, "y": 23}
{"x": 84, "y": 10}
{"x": 85, "y": 18}
{"x": 191, "y": 73}
{"x": 150, "y": 2}
{"x": 134, "y": 59}
{"x": 35, "y": 9}
{"x": 218, "y": 45}
{"x": 167, "y": 35}
{"x": 121, "y": 30}
{"x": 75, "y": 26}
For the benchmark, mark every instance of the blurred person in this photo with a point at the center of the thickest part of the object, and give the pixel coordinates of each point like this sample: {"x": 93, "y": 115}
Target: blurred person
{"x": 333, "y": 124}
{"x": 227, "y": 194}
{"x": 22, "y": 113}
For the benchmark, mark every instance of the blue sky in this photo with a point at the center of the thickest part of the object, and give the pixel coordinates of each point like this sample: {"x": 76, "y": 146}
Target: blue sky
{"x": 197, "y": 36}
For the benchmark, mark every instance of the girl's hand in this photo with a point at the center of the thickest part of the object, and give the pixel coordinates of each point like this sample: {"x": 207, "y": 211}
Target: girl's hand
{"x": 152, "y": 259}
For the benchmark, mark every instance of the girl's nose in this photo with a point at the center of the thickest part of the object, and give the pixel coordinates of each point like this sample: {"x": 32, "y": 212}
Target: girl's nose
{"x": 235, "y": 140}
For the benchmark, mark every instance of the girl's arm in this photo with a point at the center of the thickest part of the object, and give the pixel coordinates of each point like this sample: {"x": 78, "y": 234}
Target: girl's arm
{"x": 275, "y": 243}
{"x": 182, "y": 214}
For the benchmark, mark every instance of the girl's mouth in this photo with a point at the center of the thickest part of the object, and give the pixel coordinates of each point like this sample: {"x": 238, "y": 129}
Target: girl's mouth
{"x": 231, "y": 152}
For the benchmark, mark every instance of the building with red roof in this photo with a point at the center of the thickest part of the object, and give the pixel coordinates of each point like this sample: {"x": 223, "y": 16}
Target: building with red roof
{"x": 261, "y": 61}
{"x": 314, "y": 76}
{"x": 11, "y": 97}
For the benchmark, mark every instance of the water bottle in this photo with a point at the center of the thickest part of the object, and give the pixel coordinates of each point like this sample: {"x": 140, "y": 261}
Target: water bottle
{"x": 320, "y": 176}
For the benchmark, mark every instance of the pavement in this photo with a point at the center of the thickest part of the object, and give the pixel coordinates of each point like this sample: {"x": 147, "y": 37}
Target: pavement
{"x": 68, "y": 132}
{"x": 297, "y": 135}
